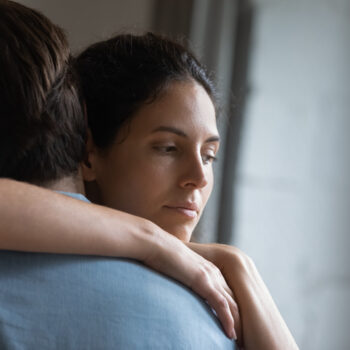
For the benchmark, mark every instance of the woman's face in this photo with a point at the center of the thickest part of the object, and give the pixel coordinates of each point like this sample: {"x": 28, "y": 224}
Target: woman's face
{"x": 160, "y": 165}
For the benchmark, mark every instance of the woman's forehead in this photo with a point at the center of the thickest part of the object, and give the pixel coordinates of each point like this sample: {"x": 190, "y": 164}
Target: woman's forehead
{"x": 185, "y": 107}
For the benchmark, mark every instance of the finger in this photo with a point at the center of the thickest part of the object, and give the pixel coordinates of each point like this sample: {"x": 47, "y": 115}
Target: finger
{"x": 220, "y": 304}
{"x": 227, "y": 292}
{"x": 236, "y": 317}
{"x": 218, "y": 297}
{"x": 209, "y": 283}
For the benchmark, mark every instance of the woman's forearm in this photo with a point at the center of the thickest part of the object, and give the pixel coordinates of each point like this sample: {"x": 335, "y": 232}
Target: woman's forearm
{"x": 262, "y": 322}
{"x": 39, "y": 220}
{"x": 263, "y": 327}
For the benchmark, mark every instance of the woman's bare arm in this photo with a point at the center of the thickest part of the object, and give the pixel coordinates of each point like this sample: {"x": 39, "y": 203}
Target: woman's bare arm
{"x": 39, "y": 220}
{"x": 263, "y": 327}
{"x": 34, "y": 219}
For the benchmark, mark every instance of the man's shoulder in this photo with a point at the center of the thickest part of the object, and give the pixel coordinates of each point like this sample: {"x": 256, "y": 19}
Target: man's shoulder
{"x": 109, "y": 303}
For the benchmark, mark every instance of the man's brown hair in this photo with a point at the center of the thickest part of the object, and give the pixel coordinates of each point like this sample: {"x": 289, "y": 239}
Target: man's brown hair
{"x": 42, "y": 127}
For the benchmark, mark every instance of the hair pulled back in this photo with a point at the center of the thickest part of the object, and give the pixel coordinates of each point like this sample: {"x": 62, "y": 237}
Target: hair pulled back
{"x": 120, "y": 75}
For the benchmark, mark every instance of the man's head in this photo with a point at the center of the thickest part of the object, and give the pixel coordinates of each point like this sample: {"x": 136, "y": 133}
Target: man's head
{"x": 42, "y": 127}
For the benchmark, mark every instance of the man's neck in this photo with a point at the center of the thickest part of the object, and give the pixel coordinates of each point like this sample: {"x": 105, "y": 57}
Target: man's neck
{"x": 67, "y": 184}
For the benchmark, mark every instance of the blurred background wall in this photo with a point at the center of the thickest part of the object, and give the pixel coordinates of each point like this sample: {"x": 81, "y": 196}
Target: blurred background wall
{"x": 292, "y": 188}
{"x": 283, "y": 179}
{"x": 87, "y": 21}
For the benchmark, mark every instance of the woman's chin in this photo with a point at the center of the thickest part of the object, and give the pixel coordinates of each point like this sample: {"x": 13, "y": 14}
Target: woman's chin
{"x": 182, "y": 232}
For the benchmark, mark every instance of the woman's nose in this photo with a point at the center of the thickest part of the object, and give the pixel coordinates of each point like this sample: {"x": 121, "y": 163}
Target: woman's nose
{"x": 194, "y": 173}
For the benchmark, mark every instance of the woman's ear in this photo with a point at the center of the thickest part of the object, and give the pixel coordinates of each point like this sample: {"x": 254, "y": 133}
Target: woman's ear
{"x": 89, "y": 164}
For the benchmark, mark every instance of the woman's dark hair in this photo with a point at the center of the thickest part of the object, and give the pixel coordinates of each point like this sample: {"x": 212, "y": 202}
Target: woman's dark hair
{"x": 123, "y": 73}
{"x": 42, "y": 125}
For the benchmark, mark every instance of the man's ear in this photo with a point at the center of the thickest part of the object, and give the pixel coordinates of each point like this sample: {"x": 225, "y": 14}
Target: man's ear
{"x": 89, "y": 164}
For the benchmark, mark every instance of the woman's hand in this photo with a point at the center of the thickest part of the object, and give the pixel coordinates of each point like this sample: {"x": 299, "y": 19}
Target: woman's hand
{"x": 171, "y": 257}
{"x": 263, "y": 327}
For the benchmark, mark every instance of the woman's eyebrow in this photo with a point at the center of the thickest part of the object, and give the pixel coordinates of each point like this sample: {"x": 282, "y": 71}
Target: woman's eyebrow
{"x": 179, "y": 132}
{"x": 170, "y": 129}
{"x": 213, "y": 139}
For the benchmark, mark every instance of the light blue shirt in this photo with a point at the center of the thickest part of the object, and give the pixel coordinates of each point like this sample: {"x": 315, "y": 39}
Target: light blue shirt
{"x": 50, "y": 301}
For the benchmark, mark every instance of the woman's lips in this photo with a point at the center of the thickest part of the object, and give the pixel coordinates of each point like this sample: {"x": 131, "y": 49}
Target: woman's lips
{"x": 189, "y": 212}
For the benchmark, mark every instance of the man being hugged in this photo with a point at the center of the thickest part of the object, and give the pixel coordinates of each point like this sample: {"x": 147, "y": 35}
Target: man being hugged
{"x": 52, "y": 301}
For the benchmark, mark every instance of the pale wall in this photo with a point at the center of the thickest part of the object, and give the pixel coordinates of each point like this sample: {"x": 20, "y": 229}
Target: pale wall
{"x": 292, "y": 196}
{"x": 87, "y": 21}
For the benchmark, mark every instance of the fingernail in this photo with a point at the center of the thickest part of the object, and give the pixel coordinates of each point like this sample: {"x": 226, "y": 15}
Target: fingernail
{"x": 234, "y": 334}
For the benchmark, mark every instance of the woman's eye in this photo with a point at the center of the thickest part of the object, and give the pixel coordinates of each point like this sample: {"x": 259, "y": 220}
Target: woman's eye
{"x": 208, "y": 158}
{"x": 166, "y": 149}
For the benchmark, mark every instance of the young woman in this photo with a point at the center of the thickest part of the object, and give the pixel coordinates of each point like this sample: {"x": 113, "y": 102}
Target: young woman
{"x": 151, "y": 112}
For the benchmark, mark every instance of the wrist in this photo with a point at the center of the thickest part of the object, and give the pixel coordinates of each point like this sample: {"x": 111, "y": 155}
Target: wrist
{"x": 149, "y": 239}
